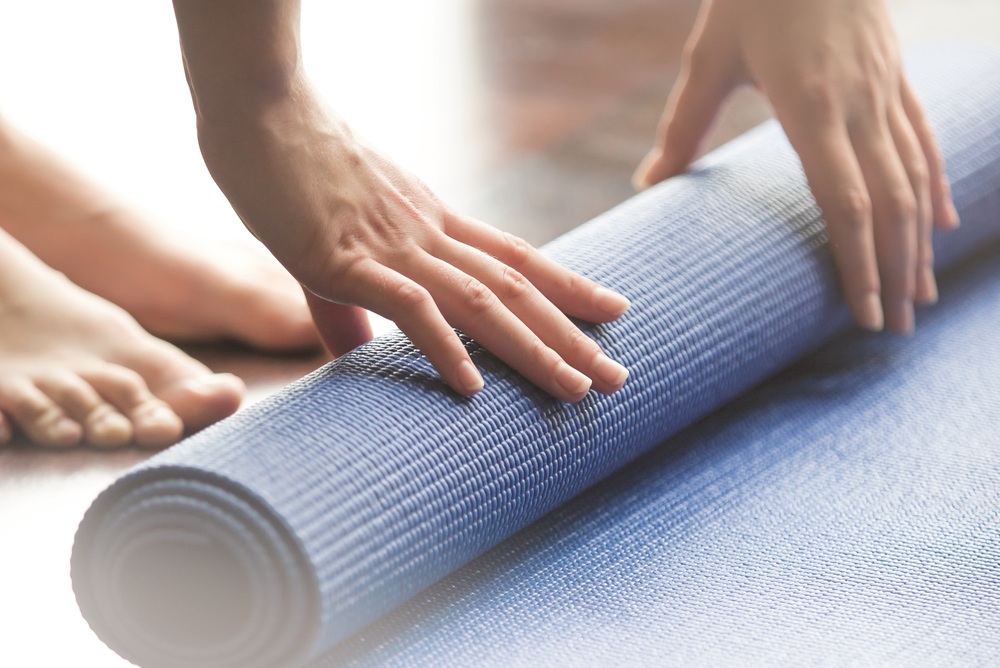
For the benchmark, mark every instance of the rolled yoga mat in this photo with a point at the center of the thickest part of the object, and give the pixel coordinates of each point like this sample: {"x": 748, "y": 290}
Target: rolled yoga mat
{"x": 271, "y": 537}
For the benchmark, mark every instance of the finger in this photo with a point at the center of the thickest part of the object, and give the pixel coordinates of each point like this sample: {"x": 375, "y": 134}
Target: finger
{"x": 400, "y": 299}
{"x": 541, "y": 316}
{"x": 38, "y": 416}
{"x": 911, "y": 155}
{"x": 571, "y": 293}
{"x": 945, "y": 214}
{"x": 894, "y": 215}
{"x": 471, "y": 306}
{"x": 103, "y": 425}
{"x": 154, "y": 423}
{"x": 838, "y": 185}
{"x": 704, "y": 83}
{"x": 342, "y": 328}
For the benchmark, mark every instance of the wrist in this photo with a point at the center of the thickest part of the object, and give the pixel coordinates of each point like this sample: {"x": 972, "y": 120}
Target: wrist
{"x": 252, "y": 98}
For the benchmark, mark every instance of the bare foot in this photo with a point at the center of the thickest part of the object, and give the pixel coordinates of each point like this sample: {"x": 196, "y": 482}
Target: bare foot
{"x": 76, "y": 368}
{"x": 176, "y": 289}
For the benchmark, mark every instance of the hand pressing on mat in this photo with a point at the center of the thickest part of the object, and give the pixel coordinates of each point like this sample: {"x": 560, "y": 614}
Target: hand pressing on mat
{"x": 832, "y": 72}
{"x": 360, "y": 233}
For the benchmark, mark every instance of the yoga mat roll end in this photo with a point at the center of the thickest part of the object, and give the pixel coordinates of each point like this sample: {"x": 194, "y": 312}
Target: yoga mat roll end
{"x": 193, "y": 574}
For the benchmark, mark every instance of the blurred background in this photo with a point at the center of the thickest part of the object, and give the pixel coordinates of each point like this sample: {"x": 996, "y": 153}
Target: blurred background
{"x": 529, "y": 114}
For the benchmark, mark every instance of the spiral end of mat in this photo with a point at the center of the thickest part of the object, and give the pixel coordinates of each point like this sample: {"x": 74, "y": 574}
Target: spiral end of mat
{"x": 218, "y": 584}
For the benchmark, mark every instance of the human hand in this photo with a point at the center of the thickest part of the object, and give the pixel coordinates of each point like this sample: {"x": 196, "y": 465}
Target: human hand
{"x": 831, "y": 70}
{"x": 360, "y": 233}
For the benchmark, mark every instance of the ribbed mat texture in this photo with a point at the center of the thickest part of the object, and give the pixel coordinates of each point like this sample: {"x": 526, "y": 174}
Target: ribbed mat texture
{"x": 271, "y": 537}
{"x": 844, "y": 513}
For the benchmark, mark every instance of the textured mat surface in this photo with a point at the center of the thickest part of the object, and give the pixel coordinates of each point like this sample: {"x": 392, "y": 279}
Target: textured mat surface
{"x": 271, "y": 537}
{"x": 845, "y": 512}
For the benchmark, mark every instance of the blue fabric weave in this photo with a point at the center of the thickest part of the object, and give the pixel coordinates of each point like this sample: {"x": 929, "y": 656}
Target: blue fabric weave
{"x": 273, "y": 536}
{"x": 846, "y": 512}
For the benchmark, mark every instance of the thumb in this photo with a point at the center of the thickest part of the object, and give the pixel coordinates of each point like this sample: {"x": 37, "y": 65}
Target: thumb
{"x": 342, "y": 328}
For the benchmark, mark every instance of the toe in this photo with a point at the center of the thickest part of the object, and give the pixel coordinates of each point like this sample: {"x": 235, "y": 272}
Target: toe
{"x": 154, "y": 424}
{"x": 103, "y": 425}
{"x": 38, "y": 416}
{"x": 203, "y": 400}
{"x": 198, "y": 396}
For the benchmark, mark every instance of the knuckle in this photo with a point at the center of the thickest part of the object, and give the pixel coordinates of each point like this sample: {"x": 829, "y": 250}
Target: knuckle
{"x": 543, "y": 356}
{"x": 855, "y": 209}
{"x": 516, "y": 251}
{"x": 901, "y": 208}
{"x": 867, "y": 100}
{"x": 577, "y": 284}
{"x": 476, "y": 297}
{"x": 919, "y": 172}
{"x": 447, "y": 339}
{"x": 577, "y": 342}
{"x": 818, "y": 98}
{"x": 514, "y": 285}
{"x": 882, "y": 67}
{"x": 412, "y": 296}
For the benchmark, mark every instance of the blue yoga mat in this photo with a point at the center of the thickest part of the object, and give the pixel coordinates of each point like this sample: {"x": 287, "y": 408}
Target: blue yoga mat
{"x": 272, "y": 537}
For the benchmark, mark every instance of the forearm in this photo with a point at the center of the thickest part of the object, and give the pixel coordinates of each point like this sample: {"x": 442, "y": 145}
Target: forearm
{"x": 241, "y": 57}
{"x": 255, "y": 108}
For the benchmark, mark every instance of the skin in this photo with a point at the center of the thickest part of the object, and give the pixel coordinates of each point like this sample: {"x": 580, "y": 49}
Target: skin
{"x": 831, "y": 70}
{"x": 237, "y": 293}
{"x": 360, "y": 233}
{"x": 77, "y": 369}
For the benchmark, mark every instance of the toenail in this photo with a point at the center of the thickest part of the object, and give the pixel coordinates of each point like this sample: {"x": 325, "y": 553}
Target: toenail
{"x": 160, "y": 415}
{"x": 211, "y": 384}
{"x": 114, "y": 426}
{"x": 64, "y": 428}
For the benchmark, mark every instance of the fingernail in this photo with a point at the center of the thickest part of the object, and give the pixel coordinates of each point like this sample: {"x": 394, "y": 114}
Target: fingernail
{"x": 953, "y": 218}
{"x": 571, "y": 380}
{"x": 611, "y": 302}
{"x": 609, "y": 371}
{"x": 640, "y": 179}
{"x": 469, "y": 377}
{"x": 927, "y": 289}
{"x": 870, "y": 315}
{"x": 902, "y": 317}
